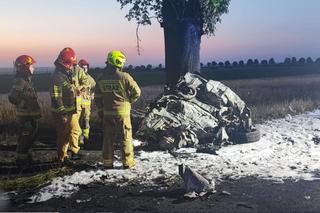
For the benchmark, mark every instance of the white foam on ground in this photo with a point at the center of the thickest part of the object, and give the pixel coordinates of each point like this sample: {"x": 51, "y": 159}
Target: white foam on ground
{"x": 286, "y": 151}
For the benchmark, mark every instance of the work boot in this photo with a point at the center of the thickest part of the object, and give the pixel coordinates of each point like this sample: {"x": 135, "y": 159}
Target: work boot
{"x": 130, "y": 166}
{"x": 67, "y": 162}
{"x": 74, "y": 156}
{"x": 107, "y": 165}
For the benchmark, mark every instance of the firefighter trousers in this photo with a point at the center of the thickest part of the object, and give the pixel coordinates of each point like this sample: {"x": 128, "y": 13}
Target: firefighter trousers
{"x": 85, "y": 121}
{"x": 68, "y": 132}
{"x": 117, "y": 128}
{"x": 28, "y": 127}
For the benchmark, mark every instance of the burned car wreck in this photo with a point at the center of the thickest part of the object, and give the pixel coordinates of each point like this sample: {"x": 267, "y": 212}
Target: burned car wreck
{"x": 197, "y": 112}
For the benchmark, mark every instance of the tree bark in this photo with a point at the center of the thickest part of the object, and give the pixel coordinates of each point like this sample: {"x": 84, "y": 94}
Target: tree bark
{"x": 182, "y": 37}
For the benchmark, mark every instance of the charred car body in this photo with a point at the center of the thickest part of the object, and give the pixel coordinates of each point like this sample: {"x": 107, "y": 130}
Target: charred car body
{"x": 197, "y": 113}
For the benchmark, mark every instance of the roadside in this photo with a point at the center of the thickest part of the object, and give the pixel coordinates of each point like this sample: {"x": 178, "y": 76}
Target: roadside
{"x": 243, "y": 195}
{"x": 280, "y": 173}
{"x": 293, "y": 152}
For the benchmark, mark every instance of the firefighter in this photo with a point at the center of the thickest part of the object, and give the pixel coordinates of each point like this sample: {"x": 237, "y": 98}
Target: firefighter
{"x": 68, "y": 82}
{"x": 24, "y": 97}
{"x": 115, "y": 92}
{"x": 87, "y": 96}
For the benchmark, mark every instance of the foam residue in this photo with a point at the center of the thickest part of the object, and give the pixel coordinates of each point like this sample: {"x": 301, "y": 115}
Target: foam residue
{"x": 288, "y": 149}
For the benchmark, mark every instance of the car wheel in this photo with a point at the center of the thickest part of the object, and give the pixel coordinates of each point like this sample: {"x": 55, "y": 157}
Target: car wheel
{"x": 245, "y": 137}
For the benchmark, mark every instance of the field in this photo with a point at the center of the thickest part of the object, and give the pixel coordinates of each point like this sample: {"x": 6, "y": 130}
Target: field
{"x": 271, "y": 98}
{"x": 267, "y": 97}
{"x": 156, "y": 76}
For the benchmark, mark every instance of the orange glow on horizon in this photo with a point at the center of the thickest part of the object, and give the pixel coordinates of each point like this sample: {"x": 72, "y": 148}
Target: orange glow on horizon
{"x": 43, "y": 28}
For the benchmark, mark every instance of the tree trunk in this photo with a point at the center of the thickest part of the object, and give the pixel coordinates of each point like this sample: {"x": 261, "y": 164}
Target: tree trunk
{"x": 182, "y": 38}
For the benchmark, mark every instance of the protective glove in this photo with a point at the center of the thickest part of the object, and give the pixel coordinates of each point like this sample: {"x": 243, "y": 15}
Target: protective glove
{"x": 64, "y": 118}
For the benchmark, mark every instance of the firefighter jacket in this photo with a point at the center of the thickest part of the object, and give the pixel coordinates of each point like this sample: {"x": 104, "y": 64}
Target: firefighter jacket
{"x": 115, "y": 92}
{"x": 88, "y": 93}
{"x": 24, "y": 97}
{"x": 65, "y": 89}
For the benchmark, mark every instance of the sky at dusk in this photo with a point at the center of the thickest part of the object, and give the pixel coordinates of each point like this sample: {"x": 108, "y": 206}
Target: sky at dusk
{"x": 252, "y": 29}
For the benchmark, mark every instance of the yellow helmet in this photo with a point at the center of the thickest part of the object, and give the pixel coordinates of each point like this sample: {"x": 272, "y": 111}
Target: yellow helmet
{"x": 116, "y": 58}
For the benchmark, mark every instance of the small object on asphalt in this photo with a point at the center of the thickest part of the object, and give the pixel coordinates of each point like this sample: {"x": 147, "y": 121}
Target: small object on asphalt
{"x": 83, "y": 201}
{"x": 191, "y": 195}
{"x": 225, "y": 193}
{"x": 195, "y": 184}
{"x": 307, "y": 197}
{"x": 245, "y": 205}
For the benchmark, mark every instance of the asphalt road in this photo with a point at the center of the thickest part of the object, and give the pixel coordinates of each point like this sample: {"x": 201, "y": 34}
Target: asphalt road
{"x": 244, "y": 195}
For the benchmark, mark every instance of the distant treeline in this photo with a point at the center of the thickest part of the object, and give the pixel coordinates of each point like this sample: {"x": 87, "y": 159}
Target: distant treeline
{"x": 147, "y": 75}
{"x": 234, "y": 64}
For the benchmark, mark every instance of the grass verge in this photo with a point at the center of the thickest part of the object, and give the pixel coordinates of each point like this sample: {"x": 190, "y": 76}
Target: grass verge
{"x": 19, "y": 182}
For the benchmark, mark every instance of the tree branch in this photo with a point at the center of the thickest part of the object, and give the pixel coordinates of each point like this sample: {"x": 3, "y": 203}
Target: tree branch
{"x": 138, "y": 39}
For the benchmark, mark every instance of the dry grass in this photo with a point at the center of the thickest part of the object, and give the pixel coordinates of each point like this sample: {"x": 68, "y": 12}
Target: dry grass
{"x": 148, "y": 94}
{"x": 268, "y": 98}
{"x": 7, "y": 112}
{"x": 20, "y": 182}
{"x": 264, "y": 112}
{"x": 277, "y": 97}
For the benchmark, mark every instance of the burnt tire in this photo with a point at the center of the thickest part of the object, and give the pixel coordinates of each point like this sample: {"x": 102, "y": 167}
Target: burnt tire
{"x": 245, "y": 137}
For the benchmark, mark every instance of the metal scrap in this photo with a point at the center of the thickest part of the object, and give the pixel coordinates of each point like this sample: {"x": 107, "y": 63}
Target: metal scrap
{"x": 196, "y": 111}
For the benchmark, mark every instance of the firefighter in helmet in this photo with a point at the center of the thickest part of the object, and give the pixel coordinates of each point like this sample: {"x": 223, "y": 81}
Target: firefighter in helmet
{"x": 87, "y": 97}
{"x": 115, "y": 92}
{"x": 68, "y": 82}
{"x": 24, "y": 97}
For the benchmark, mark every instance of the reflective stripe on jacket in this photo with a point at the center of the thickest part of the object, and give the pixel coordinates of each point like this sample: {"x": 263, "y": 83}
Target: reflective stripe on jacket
{"x": 115, "y": 92}
{"x": 88, "y": 93}
{"x": 64, "y": 87}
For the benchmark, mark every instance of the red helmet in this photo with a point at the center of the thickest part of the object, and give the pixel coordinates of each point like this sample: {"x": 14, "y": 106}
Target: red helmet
{"x": 23, "y": 62}
{"x": 67, "y": 58}
{"x": 83, "y": 62}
